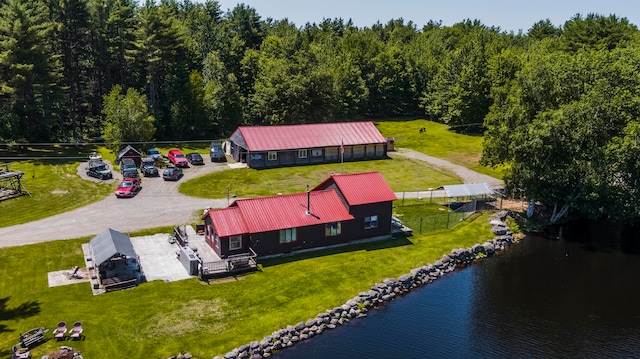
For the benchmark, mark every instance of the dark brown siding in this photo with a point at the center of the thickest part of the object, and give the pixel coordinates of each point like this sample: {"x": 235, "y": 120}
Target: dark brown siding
{"x": 268, "y": 243}
{"x": 356, "y": 228}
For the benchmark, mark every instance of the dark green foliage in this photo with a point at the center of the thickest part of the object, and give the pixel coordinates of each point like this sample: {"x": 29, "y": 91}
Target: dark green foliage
{"x": 30, "y": 95}
{"x": 559, "y": 104}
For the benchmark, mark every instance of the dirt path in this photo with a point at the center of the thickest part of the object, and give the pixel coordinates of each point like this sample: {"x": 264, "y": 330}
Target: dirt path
{"x": 159, "y": 204}
{"x": 467, "y": 175}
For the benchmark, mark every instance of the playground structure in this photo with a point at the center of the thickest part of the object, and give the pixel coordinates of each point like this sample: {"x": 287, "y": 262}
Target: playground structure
{"x": 10, "y": 185}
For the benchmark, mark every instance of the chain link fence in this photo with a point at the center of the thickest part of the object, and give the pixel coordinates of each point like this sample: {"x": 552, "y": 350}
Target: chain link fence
{"x": 440, "y": 221}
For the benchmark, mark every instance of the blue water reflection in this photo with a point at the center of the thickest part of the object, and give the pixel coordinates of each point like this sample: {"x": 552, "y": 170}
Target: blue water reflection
{"x": 541, "y": 299}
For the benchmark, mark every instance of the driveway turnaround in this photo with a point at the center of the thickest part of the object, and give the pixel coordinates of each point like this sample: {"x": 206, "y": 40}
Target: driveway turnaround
{"x": 160, "y": 204}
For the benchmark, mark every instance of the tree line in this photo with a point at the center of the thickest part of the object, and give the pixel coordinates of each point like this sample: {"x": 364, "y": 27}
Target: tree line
{"x": 559, "y": 105}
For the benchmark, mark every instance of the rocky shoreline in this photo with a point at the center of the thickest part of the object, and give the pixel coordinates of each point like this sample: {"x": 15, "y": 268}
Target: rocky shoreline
{"x": 377, "y": 295}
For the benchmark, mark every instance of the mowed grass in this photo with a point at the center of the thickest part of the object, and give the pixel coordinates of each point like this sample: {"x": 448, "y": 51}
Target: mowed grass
{"x": 54, "y": 188}
{"x": 439, "y": 141}
{"x": 400, "y": 173}
{"x": 157, "y": 319}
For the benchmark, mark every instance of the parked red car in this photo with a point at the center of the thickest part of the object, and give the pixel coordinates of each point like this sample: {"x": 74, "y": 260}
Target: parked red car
{"x": 128, "y": 187}
{"x": 178, "y": 158}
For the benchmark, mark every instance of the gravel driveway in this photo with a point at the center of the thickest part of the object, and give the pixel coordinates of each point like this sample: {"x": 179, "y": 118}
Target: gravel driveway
{"x": 159, "y": 204}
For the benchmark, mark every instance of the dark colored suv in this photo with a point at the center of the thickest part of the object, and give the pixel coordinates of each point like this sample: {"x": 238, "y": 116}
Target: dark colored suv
{"x": 128, "y": 168}
{"x": 99, "y": 169}
{"x": 216, "y": 153}
{"x": 148, "y": 167}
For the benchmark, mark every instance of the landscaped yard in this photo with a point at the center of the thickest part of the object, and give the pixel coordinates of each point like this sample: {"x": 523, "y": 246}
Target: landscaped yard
{"x": 157, "y": 319}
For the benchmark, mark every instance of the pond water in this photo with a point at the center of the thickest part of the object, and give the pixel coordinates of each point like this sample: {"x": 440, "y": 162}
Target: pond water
{"x": 540, "y": 299}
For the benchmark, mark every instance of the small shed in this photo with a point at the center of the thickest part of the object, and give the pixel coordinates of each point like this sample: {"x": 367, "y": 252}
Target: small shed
{"x": 115, "y": 260}
{"x": 130, "y": 152}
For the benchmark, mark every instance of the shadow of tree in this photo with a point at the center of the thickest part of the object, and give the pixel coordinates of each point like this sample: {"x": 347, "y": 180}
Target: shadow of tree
{"x": 24, "y": 310}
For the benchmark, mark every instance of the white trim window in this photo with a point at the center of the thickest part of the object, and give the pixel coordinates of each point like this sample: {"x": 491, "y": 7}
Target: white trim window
{"x": 302, "y": 153}
{"x": 333, "y": 229}
{"x": 370, "y": 222}
{"x": 288, "y": 235}
{"x": 235, "y": 242}
{"x": 272, "y": 156}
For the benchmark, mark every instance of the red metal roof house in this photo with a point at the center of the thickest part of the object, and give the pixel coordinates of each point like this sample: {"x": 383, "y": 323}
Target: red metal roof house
{"x": 271, "y": 146}
{"x": 341, "y": 209}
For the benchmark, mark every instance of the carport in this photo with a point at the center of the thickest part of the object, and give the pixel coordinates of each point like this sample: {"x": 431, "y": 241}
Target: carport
{"x": 115, "y": 261}
{"x": 468, "y": 190}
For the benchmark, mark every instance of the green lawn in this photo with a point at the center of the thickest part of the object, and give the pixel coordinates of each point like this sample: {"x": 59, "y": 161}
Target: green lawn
{"x": 54, "y": 188}
{"x": 402, "y": 175}
{"x": 157, "y": 319}
{"x": 438, "y": 141}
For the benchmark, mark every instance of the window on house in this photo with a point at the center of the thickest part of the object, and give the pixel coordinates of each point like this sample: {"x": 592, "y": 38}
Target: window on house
{"x": 302, "y": 153}
{"x": 272, "y": 155}
{"x": 370, "y": 222}
{"x": 332, "y": 229}
{"x": 316, "y": 153}
{"x": 288, "y": 235}
{"x": 235, "y": 242}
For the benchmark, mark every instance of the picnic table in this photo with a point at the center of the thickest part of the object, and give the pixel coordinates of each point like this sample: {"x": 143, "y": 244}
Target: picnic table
{"x": 32, "y": 337}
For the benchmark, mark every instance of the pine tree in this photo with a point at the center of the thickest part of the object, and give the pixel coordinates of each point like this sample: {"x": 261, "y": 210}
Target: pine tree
{"x": 30, "y": 97}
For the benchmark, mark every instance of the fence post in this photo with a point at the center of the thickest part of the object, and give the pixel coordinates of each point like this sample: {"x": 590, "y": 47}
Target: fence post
{"x": 421, "y": 225}
{"x": 403, "y": 198}
{"x": 448, "y": 216}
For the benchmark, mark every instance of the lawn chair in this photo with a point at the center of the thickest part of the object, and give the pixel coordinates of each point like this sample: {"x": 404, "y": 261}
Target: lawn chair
{"x": 75, "y": 333}
{"x": 60, "y": 333}
{"x": 20, "y": 353}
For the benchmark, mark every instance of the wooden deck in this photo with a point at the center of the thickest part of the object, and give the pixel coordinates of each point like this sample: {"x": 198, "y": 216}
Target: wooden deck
{"x": 229, "y": 266}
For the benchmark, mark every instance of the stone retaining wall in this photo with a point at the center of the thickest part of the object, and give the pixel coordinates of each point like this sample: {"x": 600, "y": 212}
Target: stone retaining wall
{"x": 377, "y": 295}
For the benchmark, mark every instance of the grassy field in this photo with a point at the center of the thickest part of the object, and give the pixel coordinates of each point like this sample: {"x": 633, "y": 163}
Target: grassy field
{"x": 157, "y": 319}
{"x": 54, "y": 188}
{"x": 438, "y": 141}
{"x": 401, "y": 174}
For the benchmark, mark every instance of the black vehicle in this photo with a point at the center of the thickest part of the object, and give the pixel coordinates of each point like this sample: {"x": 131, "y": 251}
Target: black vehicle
{"x": 216, "y": 152}
{"x": 172, "y": 174}
{"x": 129, "y": 168}
{"x": 148, "y": 167}
{"x": 195, "y": 158}
{"x": 99, "y": 169}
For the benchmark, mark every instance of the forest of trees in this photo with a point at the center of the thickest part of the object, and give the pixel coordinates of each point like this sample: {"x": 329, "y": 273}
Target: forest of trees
{"x": 559, "y": 105}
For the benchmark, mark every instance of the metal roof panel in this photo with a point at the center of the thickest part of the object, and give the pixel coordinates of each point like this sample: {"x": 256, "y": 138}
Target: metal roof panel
{"x": 288, "y": 137}
{"x": 362, "y": 188}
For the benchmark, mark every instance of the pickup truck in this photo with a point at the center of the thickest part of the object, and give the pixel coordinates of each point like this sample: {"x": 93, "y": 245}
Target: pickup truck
{"x": 178, "y": 158}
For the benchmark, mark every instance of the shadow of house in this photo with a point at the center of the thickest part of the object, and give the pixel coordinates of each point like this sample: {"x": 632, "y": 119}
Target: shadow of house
{"x": 115, "y": 261}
